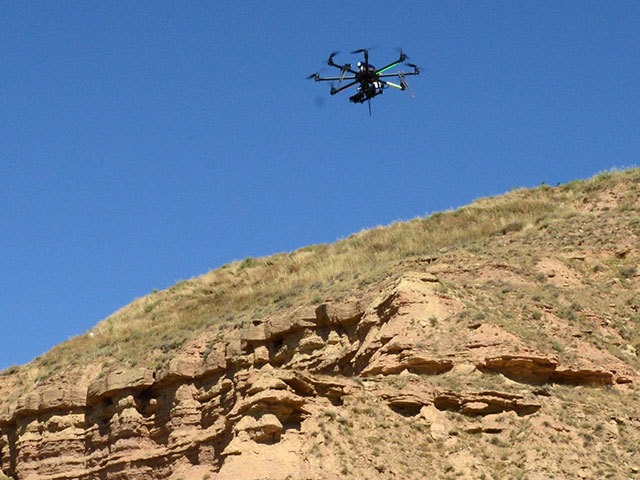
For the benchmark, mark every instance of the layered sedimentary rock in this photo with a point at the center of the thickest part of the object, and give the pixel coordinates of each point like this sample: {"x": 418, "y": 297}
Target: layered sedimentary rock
{"x": 240, "y": 408}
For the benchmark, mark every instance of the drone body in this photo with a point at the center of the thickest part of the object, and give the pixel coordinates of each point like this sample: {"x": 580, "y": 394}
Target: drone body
{"x": 370, "y": 81}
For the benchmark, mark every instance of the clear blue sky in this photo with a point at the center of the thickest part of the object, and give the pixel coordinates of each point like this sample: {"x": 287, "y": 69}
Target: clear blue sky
{"x": 146, "y": 142}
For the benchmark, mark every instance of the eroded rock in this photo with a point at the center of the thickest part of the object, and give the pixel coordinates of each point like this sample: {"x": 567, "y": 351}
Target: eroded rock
{"x": 252, "y": 397}
{"x": 485, "y": 403}
{"x": 539, "y": 369}
{"x": 113, "y": 382}
{"x": 386, "y": 363}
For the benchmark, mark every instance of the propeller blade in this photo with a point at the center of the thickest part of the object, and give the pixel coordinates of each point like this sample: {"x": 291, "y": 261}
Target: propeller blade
{"x": 313, "y": 75}
{"x": 367, "y": 49}
{"x": 414, "y": 66}
{"x": 403, "y": 56}
{"x": 369, "y": 102}
{"x": 330, "y": 60}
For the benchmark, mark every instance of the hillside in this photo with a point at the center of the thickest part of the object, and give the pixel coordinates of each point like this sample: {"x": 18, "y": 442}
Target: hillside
{"x": 500, "y": 340}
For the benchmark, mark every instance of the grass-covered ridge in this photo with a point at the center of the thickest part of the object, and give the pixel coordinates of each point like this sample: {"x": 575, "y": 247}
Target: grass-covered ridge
{"x": 162, "y": 321}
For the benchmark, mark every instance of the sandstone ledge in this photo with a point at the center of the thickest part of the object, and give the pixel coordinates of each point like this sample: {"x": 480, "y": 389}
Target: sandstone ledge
{"x": 116, "y": 381}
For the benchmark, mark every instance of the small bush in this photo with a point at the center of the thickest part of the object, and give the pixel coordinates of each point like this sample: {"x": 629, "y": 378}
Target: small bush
{"x": 331, "y": 413}
{"x": 557, "y": 346}
{"x": 627, "y": 272}
{"x": 10, "y": 371}
{"x": 512, "y": 227}
{"x": 150, "y": 306}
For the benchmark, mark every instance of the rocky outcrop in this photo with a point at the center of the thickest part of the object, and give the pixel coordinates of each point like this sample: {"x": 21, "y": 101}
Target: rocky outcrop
{"x": 388, "y": 361}
{"x": 485, "y": 403}
{"x": 467, "y": 403}
{"x": 541, "y": 369}
{"x": 113, "y": 383}
{"x": 251, "y": 397}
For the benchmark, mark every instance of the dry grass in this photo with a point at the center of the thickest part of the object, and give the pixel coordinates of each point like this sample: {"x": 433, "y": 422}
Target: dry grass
{"x": 577, "y": 432}
{"x": 223, "y": 298}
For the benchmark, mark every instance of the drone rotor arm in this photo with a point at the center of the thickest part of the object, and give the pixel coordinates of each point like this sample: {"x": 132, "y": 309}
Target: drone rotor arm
{"x": 391, "y": 84}
{"x": 416, "y": 68}
{"x": 333, "y": 79}
{"x": 402, "y": 58}
{"x": 397, "y": 74}
{"x": 338, "y": 90}
{"x": 344, "y": 68}
{"x": 384, "y": 69}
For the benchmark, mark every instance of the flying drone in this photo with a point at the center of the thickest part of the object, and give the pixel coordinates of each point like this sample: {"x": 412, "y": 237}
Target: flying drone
{"x": 370, "y": 80}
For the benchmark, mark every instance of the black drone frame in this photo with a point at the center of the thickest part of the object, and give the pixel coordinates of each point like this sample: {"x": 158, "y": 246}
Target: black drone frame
{"x": 371, "y": 81}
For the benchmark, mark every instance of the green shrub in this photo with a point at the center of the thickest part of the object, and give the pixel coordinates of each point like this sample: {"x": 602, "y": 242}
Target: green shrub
{"x": 247, "y": 263}
{"x": 627, "y": 272}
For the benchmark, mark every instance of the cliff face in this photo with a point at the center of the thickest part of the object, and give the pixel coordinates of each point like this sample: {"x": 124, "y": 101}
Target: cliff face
{"x": 249, "y": 408}
{"x": 473, "y": 363}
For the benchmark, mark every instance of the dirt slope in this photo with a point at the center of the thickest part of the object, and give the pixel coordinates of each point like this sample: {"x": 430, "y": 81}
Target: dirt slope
{"x": 496, "y": 341}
